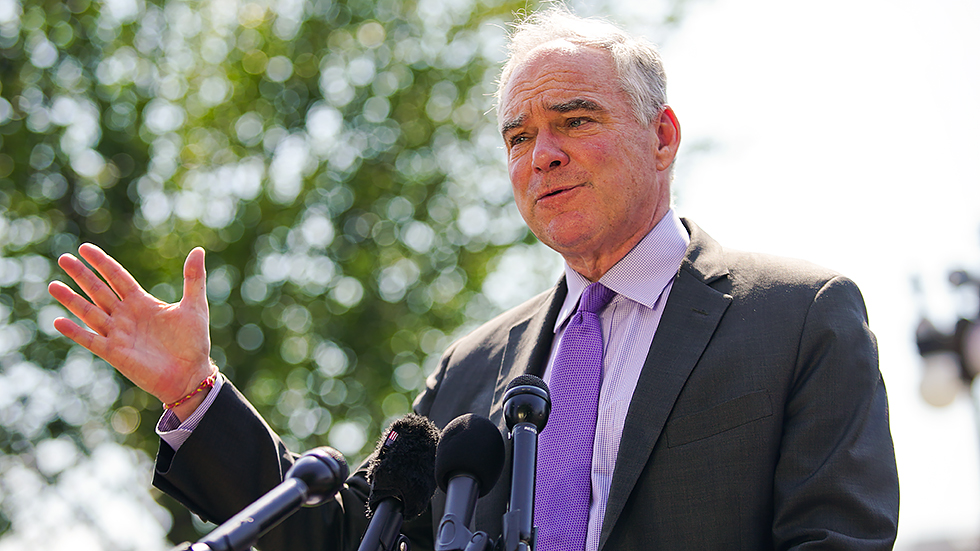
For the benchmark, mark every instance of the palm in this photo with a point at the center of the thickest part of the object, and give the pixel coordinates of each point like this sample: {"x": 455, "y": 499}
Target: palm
{"x": 152, "y": 343}
{"x": 162, "y": 348}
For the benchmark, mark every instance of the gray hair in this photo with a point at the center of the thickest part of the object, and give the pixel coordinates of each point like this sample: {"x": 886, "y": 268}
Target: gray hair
{"x": 638, "y": 63}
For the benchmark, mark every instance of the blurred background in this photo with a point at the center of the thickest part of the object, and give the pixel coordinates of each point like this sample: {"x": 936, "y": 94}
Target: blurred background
{"x": 339, "y": 162}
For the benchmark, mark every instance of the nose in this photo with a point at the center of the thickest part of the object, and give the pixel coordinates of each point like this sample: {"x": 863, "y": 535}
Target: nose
{"x": 548, "y": 153}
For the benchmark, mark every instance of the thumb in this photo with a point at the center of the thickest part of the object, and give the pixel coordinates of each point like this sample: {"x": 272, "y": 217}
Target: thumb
{"x": 195, "y": 280}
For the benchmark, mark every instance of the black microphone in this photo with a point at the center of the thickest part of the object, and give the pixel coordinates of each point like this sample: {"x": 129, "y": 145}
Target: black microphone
{"x": 315, "y": 477}
{"x": 402, "y": 478}
{"x": 469, "y": 459}
{"x": 527, "y": 404}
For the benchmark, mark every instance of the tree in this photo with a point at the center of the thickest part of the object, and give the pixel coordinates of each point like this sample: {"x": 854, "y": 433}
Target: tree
{"x": 333, "y": 158}
{"x": 337, "y": 161}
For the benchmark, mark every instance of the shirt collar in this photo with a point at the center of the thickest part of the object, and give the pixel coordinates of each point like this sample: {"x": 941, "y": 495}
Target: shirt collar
{"x": 641, "y": 275}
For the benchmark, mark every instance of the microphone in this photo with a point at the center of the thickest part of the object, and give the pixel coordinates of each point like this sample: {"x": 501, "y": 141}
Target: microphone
{"x": 526, "y": 407}
{"x": 402, "y": 477}
{"x": 469, "y": 459}
{"x": 315, "y": 477}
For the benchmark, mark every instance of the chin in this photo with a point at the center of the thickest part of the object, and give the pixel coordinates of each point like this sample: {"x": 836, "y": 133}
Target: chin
{"x": 569, "y": 245}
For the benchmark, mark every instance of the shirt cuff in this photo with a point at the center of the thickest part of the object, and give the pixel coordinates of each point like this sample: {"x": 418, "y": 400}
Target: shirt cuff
{"x": 173, "y": 432}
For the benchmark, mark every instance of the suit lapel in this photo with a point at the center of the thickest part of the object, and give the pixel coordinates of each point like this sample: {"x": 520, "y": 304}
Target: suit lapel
{"x": 528, "y": 347}
{"x": 691, "y": 314}
{"x": 526, "y": 351}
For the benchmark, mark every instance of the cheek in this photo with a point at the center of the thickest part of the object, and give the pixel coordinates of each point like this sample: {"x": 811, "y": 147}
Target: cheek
{"x": 518, "y": 177}
{"x": 596, "y": 157}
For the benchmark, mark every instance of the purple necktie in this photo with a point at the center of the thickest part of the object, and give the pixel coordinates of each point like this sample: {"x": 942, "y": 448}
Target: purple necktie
{"x": 563, "y": 489}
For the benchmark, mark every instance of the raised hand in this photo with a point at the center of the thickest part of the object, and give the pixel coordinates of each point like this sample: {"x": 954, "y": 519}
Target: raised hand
{"x": 162, "y": 348}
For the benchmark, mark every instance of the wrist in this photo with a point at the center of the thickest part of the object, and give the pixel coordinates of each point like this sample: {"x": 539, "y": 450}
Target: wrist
{"x": 195, "y": 396}
{"x": 189, "y": 406}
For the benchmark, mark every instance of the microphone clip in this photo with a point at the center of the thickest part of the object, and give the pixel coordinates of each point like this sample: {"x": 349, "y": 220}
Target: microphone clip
{"x": 453, "y": 535}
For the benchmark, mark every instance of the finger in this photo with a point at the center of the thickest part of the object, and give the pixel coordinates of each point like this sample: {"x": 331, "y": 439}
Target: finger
{"x": 93, "y": 342}
{"x": 94, "y": 287}
{"x": 121, "y": 281}
{"x": 93, "y": 317}
{"x": 195, "y": 281}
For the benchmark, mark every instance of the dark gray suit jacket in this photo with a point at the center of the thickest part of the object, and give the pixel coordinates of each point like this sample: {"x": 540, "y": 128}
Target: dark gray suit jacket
{"x": 759, "y": 421}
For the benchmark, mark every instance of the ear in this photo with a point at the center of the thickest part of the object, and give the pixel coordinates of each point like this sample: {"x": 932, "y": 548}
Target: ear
{"x": 668, "y": 137}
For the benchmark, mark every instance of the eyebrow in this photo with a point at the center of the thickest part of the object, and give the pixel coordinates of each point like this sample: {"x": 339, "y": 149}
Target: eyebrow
{"x": 512, "y": 124}
{"x": 563, "y": 107}
{"x": 575, "y": 105}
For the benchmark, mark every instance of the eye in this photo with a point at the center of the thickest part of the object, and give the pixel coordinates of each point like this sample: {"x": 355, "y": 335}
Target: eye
{"x": 578, "y": 121}
{"x": 517, "y": 139}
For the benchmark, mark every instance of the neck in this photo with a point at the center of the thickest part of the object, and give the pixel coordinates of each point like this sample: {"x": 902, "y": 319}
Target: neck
{"x": 592, "y": 265}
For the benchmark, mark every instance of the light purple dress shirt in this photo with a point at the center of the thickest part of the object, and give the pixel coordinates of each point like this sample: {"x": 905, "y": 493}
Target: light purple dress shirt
{"x": 642, "y": 281}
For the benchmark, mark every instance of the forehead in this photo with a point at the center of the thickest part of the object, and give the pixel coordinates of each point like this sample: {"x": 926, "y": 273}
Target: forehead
{"x": 557, "y": 72}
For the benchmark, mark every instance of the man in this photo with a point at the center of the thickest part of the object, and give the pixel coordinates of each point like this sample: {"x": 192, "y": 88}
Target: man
{"x": 740, "y": 403}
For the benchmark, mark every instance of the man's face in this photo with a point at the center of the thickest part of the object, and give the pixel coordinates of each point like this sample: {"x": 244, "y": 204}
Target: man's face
{"x": 589, "y": 179}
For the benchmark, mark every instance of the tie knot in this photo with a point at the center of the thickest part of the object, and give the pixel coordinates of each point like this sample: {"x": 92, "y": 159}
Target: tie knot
{"x": 595, "y": 298}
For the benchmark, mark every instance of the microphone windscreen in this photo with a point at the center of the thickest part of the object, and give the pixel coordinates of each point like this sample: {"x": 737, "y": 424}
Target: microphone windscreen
{"x": 527, "y": 400}
{"x": 403, "y": 466}
{"x": 470, "y": 445}
{"x": 528, "y": 380}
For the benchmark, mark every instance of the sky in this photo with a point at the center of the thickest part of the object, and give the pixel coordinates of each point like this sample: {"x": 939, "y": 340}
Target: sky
{"x": 845, "y": 133}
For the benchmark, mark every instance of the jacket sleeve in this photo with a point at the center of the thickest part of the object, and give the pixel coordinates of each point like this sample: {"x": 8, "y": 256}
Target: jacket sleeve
{"x": 836, "y": 484}
{"x": 233, "y": 457}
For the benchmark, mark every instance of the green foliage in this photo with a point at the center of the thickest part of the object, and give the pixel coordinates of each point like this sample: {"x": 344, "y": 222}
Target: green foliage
{"x": 335, "y": 159}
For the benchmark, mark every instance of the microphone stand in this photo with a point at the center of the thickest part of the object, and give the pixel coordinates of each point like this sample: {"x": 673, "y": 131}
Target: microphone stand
{"x": 241, "y": 531}
{"x": 527, "y": 404}
{"x": 454, "y": 533}
{"x": 518, "y": 524}
{"x": 385, "y": 536}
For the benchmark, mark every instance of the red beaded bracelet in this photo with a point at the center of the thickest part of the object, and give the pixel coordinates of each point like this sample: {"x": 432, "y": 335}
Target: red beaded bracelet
{"x": 206, "y": 383}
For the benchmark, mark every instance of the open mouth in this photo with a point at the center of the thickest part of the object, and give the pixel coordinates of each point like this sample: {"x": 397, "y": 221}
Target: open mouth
{"x": 557, "y": 191}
